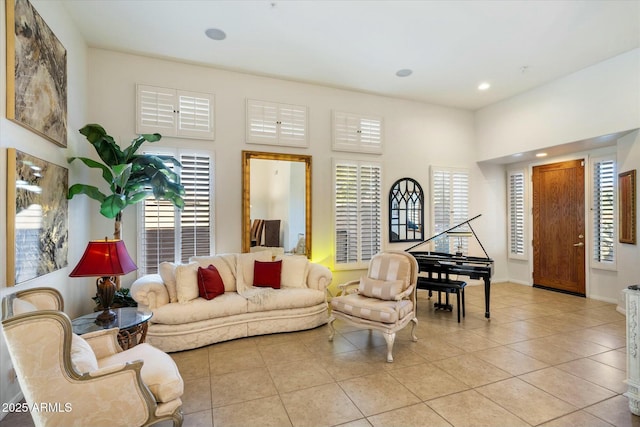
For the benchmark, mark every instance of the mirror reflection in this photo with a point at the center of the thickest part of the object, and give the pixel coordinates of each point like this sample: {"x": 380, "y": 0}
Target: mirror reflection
{"x": 276, "y": 202}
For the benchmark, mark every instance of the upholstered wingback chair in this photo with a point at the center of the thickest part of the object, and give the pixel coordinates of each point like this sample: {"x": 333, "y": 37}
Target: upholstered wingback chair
{"x": 384, "y": 299}
{"x": 68, "y": 380}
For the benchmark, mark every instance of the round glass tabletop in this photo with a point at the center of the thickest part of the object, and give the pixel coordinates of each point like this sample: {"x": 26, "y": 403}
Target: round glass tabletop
{"x": 126, "y": 317}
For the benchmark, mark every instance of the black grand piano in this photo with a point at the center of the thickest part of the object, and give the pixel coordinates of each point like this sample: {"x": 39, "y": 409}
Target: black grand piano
{"x": 457, "y": 264}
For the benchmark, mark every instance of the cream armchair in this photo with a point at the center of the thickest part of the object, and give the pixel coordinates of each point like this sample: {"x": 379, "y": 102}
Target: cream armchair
{"x": 68, "y": 380}
{"x": 384, "y": 299}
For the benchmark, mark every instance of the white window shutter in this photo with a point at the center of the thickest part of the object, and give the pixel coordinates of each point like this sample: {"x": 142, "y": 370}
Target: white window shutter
{"x": 604, "y": 212}
{"x": 517, "y": 214}
{"x": 195, "y": 117}
{"x": 195, "y": 218}
{"x": 276, "y": 124}
{"x": 357, "y": 197}
{"x": 450, "y": 193}
{"x": 357, "y": 133}
{"x": 155, "y": 110}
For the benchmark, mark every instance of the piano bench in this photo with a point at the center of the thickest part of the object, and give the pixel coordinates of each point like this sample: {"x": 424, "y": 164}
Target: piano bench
{"x": 446, "y": 286}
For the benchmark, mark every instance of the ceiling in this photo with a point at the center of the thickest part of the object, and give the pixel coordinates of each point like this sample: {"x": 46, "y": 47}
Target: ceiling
{"x": 451, "y": 46}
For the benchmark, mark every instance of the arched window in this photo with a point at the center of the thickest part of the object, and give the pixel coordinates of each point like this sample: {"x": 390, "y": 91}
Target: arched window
{"x": 406, "y": 211}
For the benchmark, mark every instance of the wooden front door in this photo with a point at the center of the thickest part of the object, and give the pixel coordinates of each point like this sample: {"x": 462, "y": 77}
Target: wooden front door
{"x": 558, "y": 226}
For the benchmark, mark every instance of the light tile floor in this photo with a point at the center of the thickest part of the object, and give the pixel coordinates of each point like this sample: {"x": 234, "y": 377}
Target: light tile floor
{"x": 544, "y": 359}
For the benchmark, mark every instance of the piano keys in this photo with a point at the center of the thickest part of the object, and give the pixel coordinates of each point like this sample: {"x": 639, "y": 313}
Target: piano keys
{"x": 457, "y": 264}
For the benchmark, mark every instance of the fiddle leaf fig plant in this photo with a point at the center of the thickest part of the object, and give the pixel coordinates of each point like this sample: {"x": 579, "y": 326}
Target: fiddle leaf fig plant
{"x": 130, "y": 177}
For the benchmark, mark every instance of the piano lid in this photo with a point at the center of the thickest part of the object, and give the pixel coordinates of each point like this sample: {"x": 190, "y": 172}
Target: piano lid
{"x": 451, "y": 229}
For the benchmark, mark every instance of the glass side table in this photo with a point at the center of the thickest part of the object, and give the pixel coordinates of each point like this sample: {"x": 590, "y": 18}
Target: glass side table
{"x": 132, "y": 324}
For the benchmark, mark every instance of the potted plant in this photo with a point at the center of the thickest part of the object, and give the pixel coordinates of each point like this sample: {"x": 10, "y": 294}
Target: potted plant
{"x": 130, "y": 177}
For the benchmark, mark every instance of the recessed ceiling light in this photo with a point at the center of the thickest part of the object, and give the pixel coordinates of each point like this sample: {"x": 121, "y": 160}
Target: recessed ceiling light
{"x": 541, "y": 155}
{"x": 404, "y": 72}
{"x": 215, "y": 34}
{"x": 484, "y": 86}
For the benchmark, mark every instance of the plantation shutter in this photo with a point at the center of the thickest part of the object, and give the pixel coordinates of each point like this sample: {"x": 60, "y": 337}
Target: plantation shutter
{"x": 276, "y": 124}
{"x": 357, "y": 211}
{"x": 357, "y": 133}
{"x": 174, "y": 113}
{"x": 195, "y": 118}
{"x": 450, "y": 192}
{"x": 168, "y": 234}
{"x": 195, "y": 218}
{"x": 156, "y": 110}
{"x": 517, "y": 213}
{"x": 604, "y": 195}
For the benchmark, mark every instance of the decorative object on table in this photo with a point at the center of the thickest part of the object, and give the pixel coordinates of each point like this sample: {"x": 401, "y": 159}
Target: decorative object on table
{"x": 121, "y": 298}
{"x": 627, "y": 207}
{"x": 107, "y": 259}
{"x": 37, "y": 217}
{"x": 131, "y": 177}
{"x": 36, "y": 73}
{"x": 459, "y": 235}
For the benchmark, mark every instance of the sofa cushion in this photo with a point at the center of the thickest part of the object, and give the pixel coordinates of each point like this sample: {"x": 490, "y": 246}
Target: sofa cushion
{"x": 373, "y": 309}
{"x": 226, "y": 265}
{"x": 282, "y": 299}
{"x": 209, "y": 282}
{"x": 227, "y": 304}
{"x": 187, "y": 282}
{"x": 246, "y": 263}
{"x": 295, "y": 269}
{"x": 267, "y": 274}
{"x": 159, "y": 371}
{"x": 167, "y": 272}
{"x": 83, "y": 358}
{"x": 381, "y": 289}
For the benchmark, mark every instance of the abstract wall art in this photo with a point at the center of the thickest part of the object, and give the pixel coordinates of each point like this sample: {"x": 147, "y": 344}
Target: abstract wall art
{"x": 36, "y": 73}
{"x": 37, "y": 217}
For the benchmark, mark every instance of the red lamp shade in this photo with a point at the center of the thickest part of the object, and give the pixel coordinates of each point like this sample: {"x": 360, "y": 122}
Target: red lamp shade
{"x": 104, "y": 258}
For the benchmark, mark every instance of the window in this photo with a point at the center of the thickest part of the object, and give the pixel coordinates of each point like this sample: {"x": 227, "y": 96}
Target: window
{"x": 276, "y": 124}
{"x": 357, "y": 133}
{"x": 358, "y": 227}
{"x": 406, "y": 211}
{"x": 604, "y": 211}
{"x": 517, "y": 214}
{"x": 450, "y": 194}
{"x": 176, "y": 113}
{"x": 168, "y": 234}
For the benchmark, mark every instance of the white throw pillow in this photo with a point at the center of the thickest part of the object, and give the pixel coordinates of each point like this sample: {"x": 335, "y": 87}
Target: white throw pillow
{"x": 381, "y": 289}
{"x": 82, "y": 356}
{"x": 187, "y": 282}
{"x": 294, "y": 271}
{"x": 226, "y": 266}
{"x": 246, "y": 263}
{"x": 168, "y": 275}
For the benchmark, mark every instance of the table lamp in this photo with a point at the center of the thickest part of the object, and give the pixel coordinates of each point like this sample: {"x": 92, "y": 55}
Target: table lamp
{"x": 107, "y": 259}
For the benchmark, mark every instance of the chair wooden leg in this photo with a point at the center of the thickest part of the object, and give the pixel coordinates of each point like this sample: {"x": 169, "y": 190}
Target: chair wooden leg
{"x": 332, "y": 331}
{"x": 389, "y": 338}
{"x": 414, "y": 337}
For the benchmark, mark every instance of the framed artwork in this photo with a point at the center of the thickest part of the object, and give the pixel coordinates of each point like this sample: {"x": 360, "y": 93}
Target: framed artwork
{"x": 36, "y": 74}
{"x": 627, "y": 206}
{"x": 37, "y": 217}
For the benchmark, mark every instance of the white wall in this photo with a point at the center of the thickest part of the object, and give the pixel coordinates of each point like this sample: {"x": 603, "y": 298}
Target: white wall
{"x": 76, "y": 292}
{"x": 417, "y": 135}
{"x": 599, "y": 100}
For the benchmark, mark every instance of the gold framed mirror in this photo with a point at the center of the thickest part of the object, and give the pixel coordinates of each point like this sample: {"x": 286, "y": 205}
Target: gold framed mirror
{"x": 276, "y": 190}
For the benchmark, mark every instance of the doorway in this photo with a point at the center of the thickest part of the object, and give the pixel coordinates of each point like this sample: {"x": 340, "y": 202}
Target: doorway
{"x": 559, "y": 226}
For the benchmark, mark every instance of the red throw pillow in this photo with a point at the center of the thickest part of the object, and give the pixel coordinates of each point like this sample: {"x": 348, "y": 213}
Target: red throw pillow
{"x": 267, "y": 273}
{"x": 210, "y": 284}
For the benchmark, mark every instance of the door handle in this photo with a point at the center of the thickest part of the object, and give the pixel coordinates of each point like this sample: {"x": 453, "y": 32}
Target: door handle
{"x": 578, "y": 244}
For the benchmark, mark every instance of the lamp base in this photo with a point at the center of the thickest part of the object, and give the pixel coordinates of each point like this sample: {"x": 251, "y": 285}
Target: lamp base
{"x": 107, "y": 316}
{"x": 106, "y": 289}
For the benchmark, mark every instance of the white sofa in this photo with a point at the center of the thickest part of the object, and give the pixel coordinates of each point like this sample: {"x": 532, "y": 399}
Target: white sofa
{"x": 183, "y": 320}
